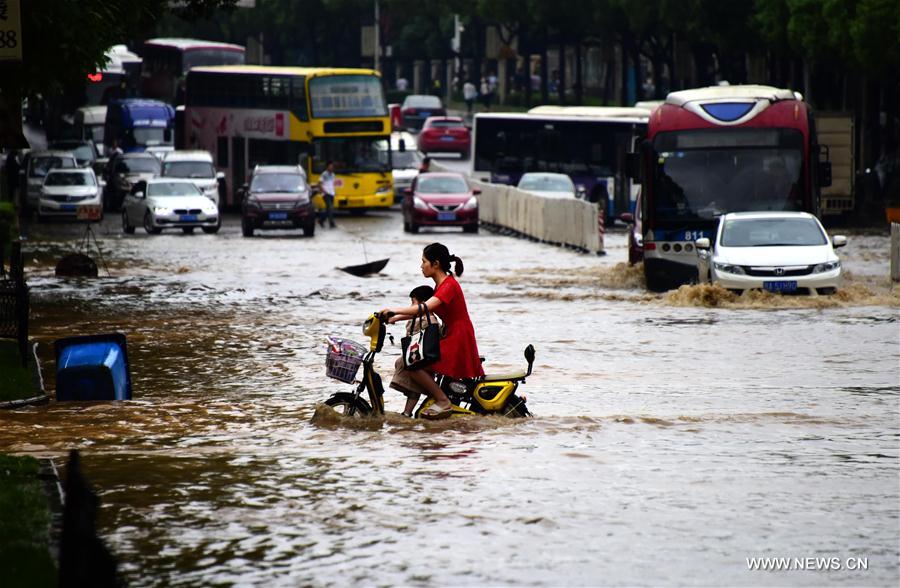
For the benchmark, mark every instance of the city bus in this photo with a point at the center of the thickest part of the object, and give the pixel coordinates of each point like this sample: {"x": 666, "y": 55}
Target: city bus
{"x": 167, "y": 61}
{"x": 715, "y": 150}
{"x": 250, "y": 115}
{"x": 589, "y": 144}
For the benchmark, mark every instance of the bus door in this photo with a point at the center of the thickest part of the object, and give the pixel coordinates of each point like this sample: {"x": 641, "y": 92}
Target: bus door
{"x": 238, "y": 167}
{"x": 623, "y": 184}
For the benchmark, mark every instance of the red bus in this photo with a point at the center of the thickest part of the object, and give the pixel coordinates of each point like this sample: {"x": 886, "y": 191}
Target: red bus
{"x": 715, "y": 150}
{"x": 167, "y": 61}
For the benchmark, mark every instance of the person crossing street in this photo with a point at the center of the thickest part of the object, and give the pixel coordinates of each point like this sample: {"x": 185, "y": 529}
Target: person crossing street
{"x": 326, "y": 184}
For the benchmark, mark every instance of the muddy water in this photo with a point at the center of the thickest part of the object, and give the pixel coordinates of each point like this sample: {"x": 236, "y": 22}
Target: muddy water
{"x": 675, "y": 436}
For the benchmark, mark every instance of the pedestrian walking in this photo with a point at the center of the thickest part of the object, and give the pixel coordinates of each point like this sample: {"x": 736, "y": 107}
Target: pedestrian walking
{"x": 469, "y": 95}
{"x": 485, "y": 92}
{"x": 326, "y": 185}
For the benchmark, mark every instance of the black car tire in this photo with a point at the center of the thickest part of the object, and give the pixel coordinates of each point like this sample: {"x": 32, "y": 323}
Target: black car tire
{"x": 126, "y": 226}
{"x": 246, "y": 228}
{"x": 309, "y": 229}
{"x": 211, "y": 230}
{"x": 148, "y": 225}
{"x": 413, "y": 228}
{"x": 471, "y": 228}
{"x": 187, "y": 230}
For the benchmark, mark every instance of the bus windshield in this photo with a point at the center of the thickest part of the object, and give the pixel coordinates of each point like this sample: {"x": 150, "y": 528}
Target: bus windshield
{"x": 353, "y": 154}
{"x": 150, "y": 136}
{"x": 346, "y": 96}
{"x": 704, "y": 174}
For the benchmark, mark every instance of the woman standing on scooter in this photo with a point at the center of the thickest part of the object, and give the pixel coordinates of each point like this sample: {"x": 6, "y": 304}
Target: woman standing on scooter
{"x": 459, "y": 352}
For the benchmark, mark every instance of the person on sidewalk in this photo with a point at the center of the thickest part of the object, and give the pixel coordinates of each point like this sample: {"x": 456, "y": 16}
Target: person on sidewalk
{"x": 469, "y": 95}
{"x": 326, "y": 184}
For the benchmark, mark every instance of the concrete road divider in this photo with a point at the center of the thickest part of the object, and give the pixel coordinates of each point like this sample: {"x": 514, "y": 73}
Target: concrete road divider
{"x": 561, "y": 221}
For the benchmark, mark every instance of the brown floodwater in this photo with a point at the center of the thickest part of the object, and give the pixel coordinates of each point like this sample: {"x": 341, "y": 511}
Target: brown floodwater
{"x": 674, "y": 435}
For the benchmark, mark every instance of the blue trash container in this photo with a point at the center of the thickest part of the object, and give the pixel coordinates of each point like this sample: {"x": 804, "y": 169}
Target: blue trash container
{"x": 92, "y": 367}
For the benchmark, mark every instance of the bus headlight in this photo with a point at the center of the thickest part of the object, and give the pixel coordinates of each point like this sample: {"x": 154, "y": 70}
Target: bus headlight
{"x": 419, "y": 203}
{"x": 729, "y": 268}
{"x": 826, "y": 267}
{"x": 471, "y": 204}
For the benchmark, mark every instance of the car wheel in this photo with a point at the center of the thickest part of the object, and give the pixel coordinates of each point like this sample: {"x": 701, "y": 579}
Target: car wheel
{"x": 148, "y": 225}
{"x": 246, "y": 228}
{"x": 413, "y": 228}
{"x": 187, "y": 230}
{"x": 126, "y": 226}
{"x": 405, "y": 226}
{"x": 465, "y": 154}
{"x": 211, "y": 230}
{"x": 826, "y": 291}
{"x": 470, "y": 228}
{"x": 309, "y": 229}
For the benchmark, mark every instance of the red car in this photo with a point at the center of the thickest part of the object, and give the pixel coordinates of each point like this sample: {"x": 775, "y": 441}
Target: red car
{"x": 635, "y": 233}
{"x": 440, "y": 200}
{"x": 442, "y": 134}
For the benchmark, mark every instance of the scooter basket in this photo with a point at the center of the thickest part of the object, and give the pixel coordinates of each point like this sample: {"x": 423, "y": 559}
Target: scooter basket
{"x": 343, "y": 358}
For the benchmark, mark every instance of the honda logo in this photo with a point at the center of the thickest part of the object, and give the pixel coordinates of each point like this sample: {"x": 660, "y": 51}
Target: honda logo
{"x": 779, "y": 271}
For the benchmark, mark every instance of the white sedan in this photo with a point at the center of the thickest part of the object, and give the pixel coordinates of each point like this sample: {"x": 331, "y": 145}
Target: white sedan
{"x": 166, "y": 203}
{"x": 72, "y": 193}
{"x": 775, "y": 251}
{"x": 549, "y": 185}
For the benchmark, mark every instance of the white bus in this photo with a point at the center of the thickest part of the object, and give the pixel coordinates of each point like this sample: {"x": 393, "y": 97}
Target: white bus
{"x": 586, "y": 143}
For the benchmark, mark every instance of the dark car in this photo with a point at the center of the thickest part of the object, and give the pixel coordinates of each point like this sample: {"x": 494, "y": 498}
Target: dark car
{"x": 85, "y": 151}
{"x": 440, "y": 199}
{"x": 443, "y": 134}
{"x": 277, "y": 197}
{"x": 416, "y": 108}
{"x": 124, "y": 172}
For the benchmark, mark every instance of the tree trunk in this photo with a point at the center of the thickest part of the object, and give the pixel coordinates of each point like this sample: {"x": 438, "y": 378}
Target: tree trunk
{"x": 579, "y": 75}
{"x": 561, "y": 86}
{"x": 545, "y": 86}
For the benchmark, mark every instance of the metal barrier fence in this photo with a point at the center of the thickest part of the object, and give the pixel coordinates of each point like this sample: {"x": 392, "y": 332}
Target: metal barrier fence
{"x": 14, "y": 300}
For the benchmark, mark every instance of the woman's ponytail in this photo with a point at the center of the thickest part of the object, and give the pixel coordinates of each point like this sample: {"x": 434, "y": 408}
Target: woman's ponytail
{"x": 458, "y": 265}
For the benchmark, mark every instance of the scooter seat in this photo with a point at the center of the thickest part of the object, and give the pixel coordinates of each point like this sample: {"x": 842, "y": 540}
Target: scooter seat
{"x": 506, "y": 376}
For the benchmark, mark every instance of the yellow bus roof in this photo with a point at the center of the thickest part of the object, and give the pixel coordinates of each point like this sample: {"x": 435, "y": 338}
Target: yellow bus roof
{"x": 273, "y": 70}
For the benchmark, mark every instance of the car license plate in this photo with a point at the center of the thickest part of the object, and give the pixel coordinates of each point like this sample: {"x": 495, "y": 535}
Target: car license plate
{"x": 67, "y": 207}
{"x": 277, "y": 215}
{"x": 446, "y": 216}
{"x": 446, "y": 138}
{"x": 781, "y": 286}
{"x": 188, "y": 218}
{"x": 424, "y": 113}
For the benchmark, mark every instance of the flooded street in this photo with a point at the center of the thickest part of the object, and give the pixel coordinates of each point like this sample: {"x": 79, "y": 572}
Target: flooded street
{"x": 674, "y": 436}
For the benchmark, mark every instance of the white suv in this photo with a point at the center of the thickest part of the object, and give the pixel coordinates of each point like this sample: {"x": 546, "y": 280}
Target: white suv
{"x": 196, "y": 166}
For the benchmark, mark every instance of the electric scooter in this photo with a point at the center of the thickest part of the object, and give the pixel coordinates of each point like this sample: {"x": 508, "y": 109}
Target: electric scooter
{"x": 486, "y": 395}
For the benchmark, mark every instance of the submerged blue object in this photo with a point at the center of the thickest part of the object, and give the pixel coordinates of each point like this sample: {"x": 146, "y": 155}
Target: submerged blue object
{"x": 92, "y": 367}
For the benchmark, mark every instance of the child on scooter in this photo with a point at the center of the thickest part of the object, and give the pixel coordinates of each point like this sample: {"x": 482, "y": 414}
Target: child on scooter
{"x": 402, "y": 380}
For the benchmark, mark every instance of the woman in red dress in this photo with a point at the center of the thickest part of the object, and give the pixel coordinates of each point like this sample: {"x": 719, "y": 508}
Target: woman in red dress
{"x": 459, "y": 352}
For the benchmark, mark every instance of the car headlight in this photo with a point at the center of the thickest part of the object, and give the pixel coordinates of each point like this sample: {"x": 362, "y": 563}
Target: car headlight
{"x": 302, "y": 199}
{"x": 729, "y": 268}
{"x": 471, "y": 203}
{"x": 826, "y": 267}
{"x": 161, "y": 210}
{"x": 419, "y": 203}
{"x": 383, "y": 189}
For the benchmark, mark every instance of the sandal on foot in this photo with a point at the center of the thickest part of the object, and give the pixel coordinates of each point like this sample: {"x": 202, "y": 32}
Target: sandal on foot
{"x": 436, "y": 412}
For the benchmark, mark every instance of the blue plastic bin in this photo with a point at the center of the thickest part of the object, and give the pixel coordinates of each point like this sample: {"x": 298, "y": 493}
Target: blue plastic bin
{"x": 93, "y": 367}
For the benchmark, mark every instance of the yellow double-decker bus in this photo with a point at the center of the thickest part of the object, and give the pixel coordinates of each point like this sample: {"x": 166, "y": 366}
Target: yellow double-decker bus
{"x": 259, "y": 115}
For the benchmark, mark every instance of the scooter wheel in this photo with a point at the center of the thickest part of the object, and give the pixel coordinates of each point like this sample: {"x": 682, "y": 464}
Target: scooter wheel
{"x": 515, "y": 408}
{"x": 347, "y": 404}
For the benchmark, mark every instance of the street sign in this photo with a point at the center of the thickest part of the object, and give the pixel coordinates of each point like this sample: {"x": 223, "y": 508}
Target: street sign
{"x": 89, "y": 213}
{"x": 10, "y": 31}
